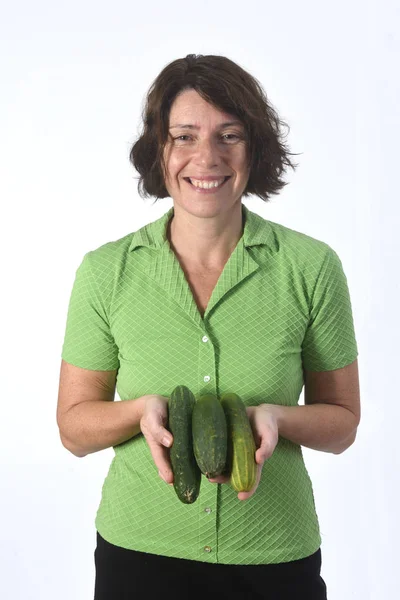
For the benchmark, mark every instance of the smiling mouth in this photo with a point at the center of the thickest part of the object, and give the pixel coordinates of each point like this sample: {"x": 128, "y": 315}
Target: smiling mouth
{"x": 196, "y": 186}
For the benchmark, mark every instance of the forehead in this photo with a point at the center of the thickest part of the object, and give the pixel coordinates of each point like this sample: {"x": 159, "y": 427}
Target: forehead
{"x": 190, "y": 107}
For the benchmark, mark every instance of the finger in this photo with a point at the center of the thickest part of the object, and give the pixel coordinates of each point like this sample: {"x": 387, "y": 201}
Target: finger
{"x": 162, "y": 435}
{"x": 265, "y": 451}
{"x": 161, "y": 459}
{"x": 219, "y": 479}
{"x": 247, "y": 495}
{"x": 153, "y": 426}
{"x": 153, "y": 430}
{"x": 261, "y": 456}
{"x": 251, "y": 412}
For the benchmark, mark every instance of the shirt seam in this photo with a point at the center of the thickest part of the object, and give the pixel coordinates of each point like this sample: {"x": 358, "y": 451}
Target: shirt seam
{"x": 322, "y": 270}
{"x": 95, "y": 289}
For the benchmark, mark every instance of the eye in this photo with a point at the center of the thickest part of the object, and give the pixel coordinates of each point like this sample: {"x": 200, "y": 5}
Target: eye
{"x": 226, "y": 135}
{"x": 232, "y": 135}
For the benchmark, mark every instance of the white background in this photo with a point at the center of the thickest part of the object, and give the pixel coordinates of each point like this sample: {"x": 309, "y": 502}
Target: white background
{"x": 72, "y": 84}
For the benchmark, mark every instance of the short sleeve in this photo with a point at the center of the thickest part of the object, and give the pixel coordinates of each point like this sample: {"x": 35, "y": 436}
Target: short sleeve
{"x": 88, "y": 342}
{"x": 330, "y": 342}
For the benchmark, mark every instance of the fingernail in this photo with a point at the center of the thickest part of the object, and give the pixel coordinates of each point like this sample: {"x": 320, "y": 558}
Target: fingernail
{"x": 166, "y": 441}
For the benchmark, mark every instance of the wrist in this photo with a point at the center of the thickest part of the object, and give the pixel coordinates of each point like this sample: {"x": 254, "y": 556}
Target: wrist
{"x": 277, "y": 411}
{"x": 140, "y": 405}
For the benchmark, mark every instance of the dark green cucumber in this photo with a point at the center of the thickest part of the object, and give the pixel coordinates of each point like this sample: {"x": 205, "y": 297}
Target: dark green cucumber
{"x": 187, "y": 475}
{"x": 210, "y": 437}
{"x": 241, "y": 459}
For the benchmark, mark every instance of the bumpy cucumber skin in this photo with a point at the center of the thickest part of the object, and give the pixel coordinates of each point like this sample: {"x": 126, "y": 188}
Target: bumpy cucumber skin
{"x": 187, "y": 475}
{"x": 210, "y": 435}
{"x": 241, "y": 461}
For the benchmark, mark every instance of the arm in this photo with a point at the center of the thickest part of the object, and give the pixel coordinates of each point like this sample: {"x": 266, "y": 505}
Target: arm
{"x": 329, "y": 419}
{"x": 87, "y": 417}
{"x": 90, "y": 421}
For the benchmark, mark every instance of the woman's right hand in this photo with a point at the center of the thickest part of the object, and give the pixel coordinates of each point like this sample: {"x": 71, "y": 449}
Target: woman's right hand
{"x": 153, "y": 426}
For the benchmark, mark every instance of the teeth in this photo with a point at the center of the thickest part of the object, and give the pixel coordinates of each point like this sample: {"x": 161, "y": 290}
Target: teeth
{"x": 207, "y": 184}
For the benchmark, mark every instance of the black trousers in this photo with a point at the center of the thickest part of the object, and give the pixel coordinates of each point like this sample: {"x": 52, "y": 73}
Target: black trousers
{"x": 127, "y": 574}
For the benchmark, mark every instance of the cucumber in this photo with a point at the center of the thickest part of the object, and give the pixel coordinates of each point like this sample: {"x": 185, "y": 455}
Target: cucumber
{"x": 241, "y": 460}
{"x": 187, "y": 475}
{"x": 210, "y": 436}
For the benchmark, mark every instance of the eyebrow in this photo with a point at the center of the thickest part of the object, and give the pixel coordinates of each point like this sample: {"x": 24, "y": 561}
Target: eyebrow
{"x": 189, "y": 126}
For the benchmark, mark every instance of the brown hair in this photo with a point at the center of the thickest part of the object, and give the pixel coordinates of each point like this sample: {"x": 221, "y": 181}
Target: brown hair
{"x": 229, "y": 88}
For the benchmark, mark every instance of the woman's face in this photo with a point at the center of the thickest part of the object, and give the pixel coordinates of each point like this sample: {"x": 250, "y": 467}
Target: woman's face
{"x": 207, "y": 148}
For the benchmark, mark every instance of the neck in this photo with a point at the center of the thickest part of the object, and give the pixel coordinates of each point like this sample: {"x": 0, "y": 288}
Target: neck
{"x": 205, "y": 243}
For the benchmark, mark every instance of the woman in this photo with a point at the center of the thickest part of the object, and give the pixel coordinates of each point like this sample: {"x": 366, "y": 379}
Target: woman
{"x": 214, "y": 297}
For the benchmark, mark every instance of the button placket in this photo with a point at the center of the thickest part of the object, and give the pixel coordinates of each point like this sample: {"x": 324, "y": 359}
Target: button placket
{"x": 207, "y": 364}
{"x": 208, "y": 536}
{"x": 207, "y": 511}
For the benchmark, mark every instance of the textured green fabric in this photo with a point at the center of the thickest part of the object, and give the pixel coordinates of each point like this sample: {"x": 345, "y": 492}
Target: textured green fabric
{"x": 281, "y": 303}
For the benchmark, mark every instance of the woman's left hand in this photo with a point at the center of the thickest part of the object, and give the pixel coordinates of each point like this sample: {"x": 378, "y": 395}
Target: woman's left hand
{"x": 264, "y": 424}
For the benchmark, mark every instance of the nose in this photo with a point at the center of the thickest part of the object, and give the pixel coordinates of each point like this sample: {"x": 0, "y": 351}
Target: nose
{"x": 207, "y": 153}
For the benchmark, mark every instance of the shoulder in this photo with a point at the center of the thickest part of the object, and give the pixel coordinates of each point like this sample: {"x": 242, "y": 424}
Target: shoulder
{"x": 297, "y": 240}
{"x": 102, "y": 266}
{"x": 305, "y": 261}
{"x": 295, "y": 246}
{"x": 110, "y": 256}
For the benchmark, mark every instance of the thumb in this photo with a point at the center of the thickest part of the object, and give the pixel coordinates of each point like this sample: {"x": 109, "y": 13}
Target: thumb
{"x": 161, "y": 435}
{"x": 164, "y": 437}
{"x": 262, "y": 454}
{"x": 158, "y": 432}
{"x": 260, "y": 458}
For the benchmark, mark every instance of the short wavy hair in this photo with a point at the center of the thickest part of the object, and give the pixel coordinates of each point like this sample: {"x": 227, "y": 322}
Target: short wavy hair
{"x": 229, "y": 88}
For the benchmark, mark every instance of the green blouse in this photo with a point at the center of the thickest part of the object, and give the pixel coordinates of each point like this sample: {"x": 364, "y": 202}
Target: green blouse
{"x": 281, "y": 303}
